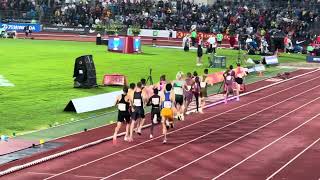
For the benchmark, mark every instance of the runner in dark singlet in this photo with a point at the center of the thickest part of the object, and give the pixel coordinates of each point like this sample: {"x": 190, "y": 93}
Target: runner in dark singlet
{"x": 154, "y": 102}
{"x": 239, "y": 74}
{"x": 123, "y": 103}
{"x": 131, "y": 90}
{"x": 196, "y": 90}
{"x": 137, "y": 109}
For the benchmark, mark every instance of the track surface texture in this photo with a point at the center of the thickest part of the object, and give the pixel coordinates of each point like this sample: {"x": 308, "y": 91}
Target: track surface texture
{"x": 272, "y": 133}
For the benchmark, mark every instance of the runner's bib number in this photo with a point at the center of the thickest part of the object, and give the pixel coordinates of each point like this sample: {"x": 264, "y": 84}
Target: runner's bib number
{"x": 228, "y": 78}
{"x": 178, "y": 91}
{"x": 188, "y": 88}
{"x": 167, "y": 104}
{"x": 203, "y": 84}
{"x": 155, "y": 101}
{"x": 137, "y": 102}
{"x": 122, "y": 107}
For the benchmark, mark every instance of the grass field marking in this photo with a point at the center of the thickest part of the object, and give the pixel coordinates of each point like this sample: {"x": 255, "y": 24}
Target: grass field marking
{"x": 44, "y": 159}
{"x": 5, "y": 82}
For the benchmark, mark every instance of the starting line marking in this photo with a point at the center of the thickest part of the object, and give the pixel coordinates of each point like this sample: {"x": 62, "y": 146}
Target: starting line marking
{"x": 44, "y": 159}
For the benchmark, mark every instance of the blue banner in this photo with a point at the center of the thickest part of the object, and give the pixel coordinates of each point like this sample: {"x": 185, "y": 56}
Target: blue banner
{"x": 313, "y": 59}
{"x": 136, "y": 44}
{"x": 20, "y": 26}
{"x": 116, "y": 44}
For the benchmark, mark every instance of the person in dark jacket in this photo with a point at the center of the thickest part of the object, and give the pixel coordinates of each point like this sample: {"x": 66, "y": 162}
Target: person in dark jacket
{"x": 199, "y": 53}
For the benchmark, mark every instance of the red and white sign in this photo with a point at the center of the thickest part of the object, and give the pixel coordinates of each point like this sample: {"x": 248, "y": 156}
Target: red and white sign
{"x": 215, "y": 78}
{"x": 114, "y": 80}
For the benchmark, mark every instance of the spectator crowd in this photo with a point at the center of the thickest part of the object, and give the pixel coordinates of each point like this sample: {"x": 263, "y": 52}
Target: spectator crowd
{"x": 297, "y": 18}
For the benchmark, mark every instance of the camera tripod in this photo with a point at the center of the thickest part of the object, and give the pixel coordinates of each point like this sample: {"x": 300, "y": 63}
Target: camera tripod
{"x": 239, "y": 60}
{"x": 149, "y": 79}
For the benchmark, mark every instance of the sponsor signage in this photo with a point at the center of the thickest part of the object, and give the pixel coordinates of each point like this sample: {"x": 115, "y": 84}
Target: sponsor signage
{"x": 79, "y": 30}
{"x": 315, "y": 59}
{"x": 19, "y": 27}
{"x": 182, "y": 34}
{"x": 271, "y": 60}
{"x": 157, "y": 33}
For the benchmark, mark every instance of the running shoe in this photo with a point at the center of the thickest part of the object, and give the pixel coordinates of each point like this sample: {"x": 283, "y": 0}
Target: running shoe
{"x": 237, "y": 99}
{"x": 155, "y": 119}
{"x": 167, "y": 123}
{"x": 139, "y": 132}
{"x": 151, "y": 136}
{"x": 125, "y": 138}
{"x": 164, "y": 141}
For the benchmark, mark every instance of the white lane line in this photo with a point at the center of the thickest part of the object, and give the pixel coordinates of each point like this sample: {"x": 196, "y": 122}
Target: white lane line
{"x": 221, "y": 147}
{"x": 40, "y": 173}
{"x": 265, "y": 147}
{"x": 51, "y": 174}
{"x": 137, "y": 164}
{"x": 275, "y": 173}
{"x": 47, "y": 158}
{"x": 90, "y": 162}
{"x": 92, "y": 177}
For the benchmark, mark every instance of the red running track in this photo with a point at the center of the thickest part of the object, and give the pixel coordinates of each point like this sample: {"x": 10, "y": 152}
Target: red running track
{"x": 270, "y": 132}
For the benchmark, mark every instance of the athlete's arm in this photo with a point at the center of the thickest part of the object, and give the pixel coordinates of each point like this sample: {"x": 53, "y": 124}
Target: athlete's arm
{"x": 128, "y": 99}
{"x": 172, "y": 96}
{"x": 117, "y": 100}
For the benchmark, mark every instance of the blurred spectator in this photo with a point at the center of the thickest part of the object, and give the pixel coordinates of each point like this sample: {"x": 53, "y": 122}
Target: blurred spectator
{"x": 297, "y": 18}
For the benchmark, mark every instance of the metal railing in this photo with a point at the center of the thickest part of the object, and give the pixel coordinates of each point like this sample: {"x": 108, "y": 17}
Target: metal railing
{"x": 18, "y": 16}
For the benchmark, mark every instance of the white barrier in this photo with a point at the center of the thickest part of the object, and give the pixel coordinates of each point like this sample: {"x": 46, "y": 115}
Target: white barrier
{"x": 93, "y": 103}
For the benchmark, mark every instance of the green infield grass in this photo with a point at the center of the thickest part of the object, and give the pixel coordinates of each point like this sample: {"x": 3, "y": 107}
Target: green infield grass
{"x": 41, "y": 72}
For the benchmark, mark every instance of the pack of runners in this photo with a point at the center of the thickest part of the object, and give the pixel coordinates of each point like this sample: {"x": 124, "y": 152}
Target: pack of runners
{"x": 169, "y": 101}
